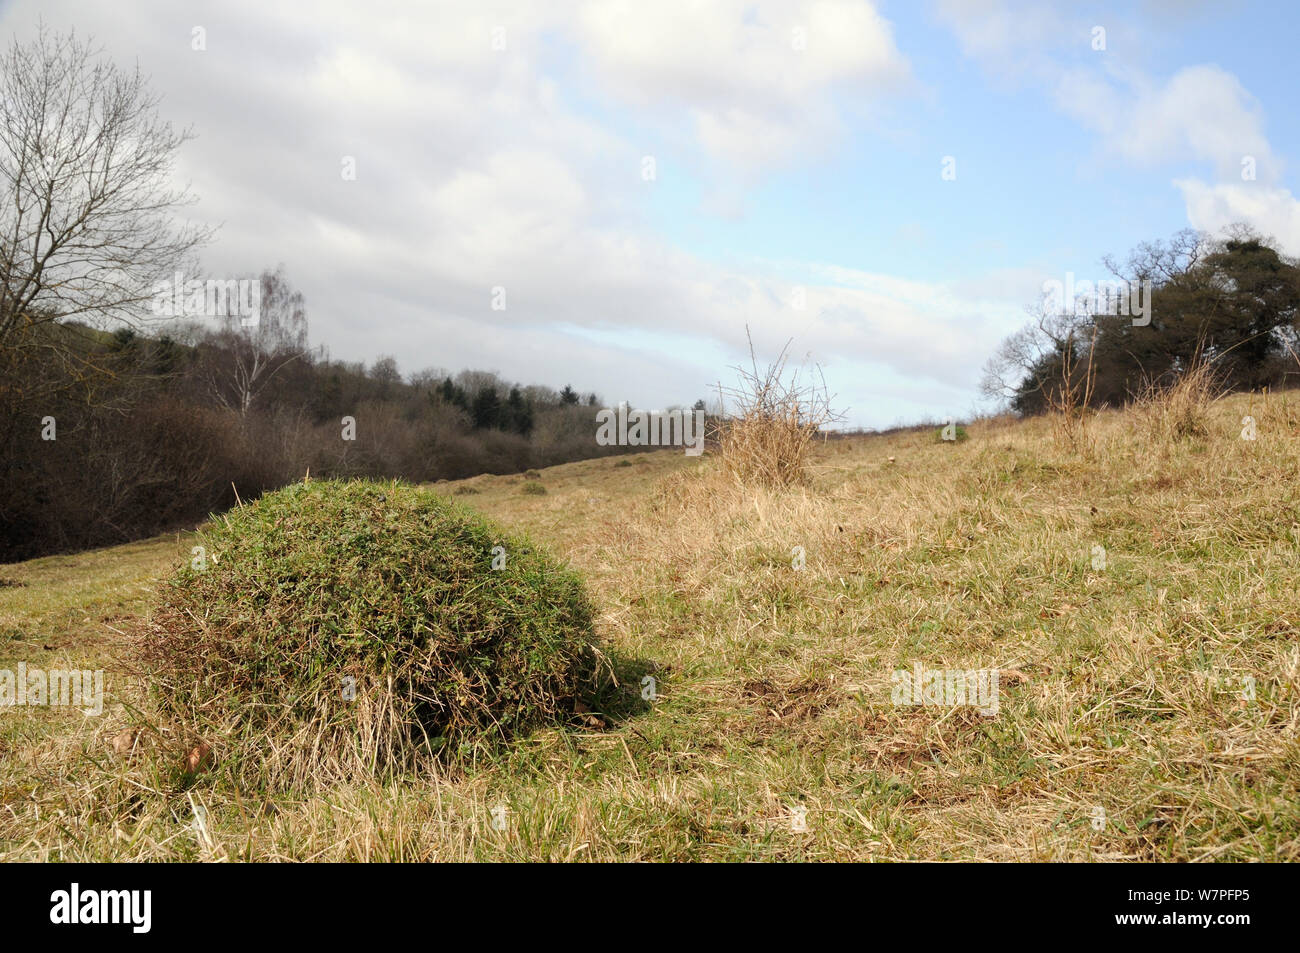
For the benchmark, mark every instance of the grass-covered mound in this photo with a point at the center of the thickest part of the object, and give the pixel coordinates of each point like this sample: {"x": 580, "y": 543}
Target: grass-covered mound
{"x": 333, "y": 628}
{"x": 956, "y": 435}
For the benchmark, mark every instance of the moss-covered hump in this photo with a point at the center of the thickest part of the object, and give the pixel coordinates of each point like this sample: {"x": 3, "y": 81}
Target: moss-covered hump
{"x": 333, "y": 627}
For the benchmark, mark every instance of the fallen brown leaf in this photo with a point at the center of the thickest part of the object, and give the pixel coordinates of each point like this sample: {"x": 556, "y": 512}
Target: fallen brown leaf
{"x": 198, "y": 758}
{"x": 124, "y": 740}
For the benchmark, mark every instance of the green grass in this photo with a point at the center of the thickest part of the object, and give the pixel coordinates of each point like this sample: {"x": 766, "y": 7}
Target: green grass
{"x": 1124, "y": 692}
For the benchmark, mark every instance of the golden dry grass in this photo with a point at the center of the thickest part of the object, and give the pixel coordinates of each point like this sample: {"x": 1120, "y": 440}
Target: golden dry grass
{"x": 1148, "y": 710}
{"x": 1181, "y": 410}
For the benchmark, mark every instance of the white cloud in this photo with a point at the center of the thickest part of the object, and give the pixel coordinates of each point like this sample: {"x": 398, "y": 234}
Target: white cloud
{"x": 1201, "y": 112}
{"x": 721, "y": 52}
{"x": 758, "y": 78}
{"x": 1009, "y": 40}
{"x": 1272, "y": 211}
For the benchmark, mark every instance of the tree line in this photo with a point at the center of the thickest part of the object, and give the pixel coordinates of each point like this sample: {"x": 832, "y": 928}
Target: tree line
{"x": 132, "y": 433}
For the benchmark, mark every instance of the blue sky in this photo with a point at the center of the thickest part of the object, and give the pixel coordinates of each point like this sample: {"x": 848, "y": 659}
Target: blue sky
{"x": 798, "y": 149}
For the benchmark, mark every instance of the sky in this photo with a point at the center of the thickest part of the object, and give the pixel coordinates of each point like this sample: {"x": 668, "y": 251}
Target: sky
{"x": 610, "y": 194}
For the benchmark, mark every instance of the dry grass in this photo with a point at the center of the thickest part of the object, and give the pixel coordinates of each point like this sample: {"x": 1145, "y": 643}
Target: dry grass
{"x": 1159, "y": 693}
{"x": 1167, "y": 414}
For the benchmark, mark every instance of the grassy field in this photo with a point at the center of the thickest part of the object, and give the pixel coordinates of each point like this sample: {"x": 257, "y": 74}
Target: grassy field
{"x": 1137, "y": 595}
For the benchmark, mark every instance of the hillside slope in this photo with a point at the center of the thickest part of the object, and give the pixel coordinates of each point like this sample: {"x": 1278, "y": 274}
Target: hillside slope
{"x": 1137, "y": 598}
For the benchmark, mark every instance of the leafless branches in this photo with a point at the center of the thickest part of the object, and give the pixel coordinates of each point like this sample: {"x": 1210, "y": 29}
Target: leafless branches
{"x": 86, "y": 218}
{"x": 771, "y": 422}
{"x": 245, "y": 359}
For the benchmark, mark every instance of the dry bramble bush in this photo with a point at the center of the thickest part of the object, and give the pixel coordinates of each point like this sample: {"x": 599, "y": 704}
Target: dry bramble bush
{"x": 768, "y": 439}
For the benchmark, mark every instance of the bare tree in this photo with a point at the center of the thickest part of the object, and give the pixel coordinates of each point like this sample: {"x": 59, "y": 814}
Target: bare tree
{"x": 1050, "y": 335}
{"x": 87, "y": 223}
{"x": 1162, "y": 262}
{"x": 386, "y": 374}
{"x": 245, "y": 358}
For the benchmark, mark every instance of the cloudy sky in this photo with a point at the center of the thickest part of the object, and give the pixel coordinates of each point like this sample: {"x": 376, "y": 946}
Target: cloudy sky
{"x": 645, "y": 179}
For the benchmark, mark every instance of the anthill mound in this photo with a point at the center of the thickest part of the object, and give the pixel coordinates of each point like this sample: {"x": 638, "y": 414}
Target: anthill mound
{"x": 336, "y": 628}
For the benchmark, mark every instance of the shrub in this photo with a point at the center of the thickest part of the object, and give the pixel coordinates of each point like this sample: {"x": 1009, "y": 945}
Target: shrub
{"x": 623, "y": 463}
{"x": 768, "y": 439}
{"x": 533, "y": 489}
{"x": 532, "y": 474}
{"x": 956, "y": 435}
{"x": 323, "y": 587}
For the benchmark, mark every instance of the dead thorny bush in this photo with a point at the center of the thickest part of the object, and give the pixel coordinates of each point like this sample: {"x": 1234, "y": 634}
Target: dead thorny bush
{"x": 769, "y": 422}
